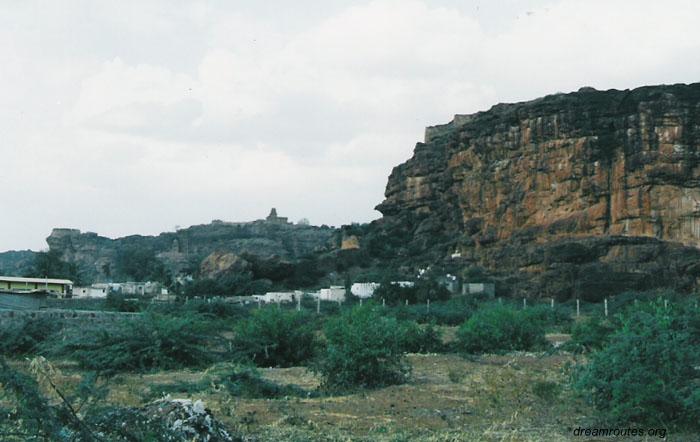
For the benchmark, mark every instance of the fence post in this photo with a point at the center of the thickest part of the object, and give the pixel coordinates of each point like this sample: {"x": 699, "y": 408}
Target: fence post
{"x": 407, "y": 302}
{"x": 606, "y": 306}
{"x": 552, "y": 303}
{"x": 578, "y": 308}
{"x": 360, "y": 302}
{"x": 428, "y": 306}
{"x": 666, "y": 304}
{"x": 383, "y": 302}
{"x": 524, "y": 303}
{"x": 259, "y": 303}
{"x": 298, "y": 303}
{"x": 318, "y": 305}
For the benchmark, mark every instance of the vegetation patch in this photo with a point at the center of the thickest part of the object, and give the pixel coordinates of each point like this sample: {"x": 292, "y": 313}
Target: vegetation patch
{"x": 647, "y": 372}
{"x": 142, "y": 343}
{"x": 365, "y": 349}
{"x": 273, "y": 337}
{"x": 498, "y": 328}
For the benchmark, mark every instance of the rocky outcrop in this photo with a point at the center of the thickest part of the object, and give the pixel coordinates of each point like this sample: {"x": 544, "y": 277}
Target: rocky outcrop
{"x": 16, "y": 262}
{"x": 600, "y": 183}
{"x": 185, "y": 249}
{"x": 218, "y": 264}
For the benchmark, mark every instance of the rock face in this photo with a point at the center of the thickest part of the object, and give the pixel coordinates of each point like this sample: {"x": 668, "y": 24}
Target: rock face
{"x": 217, "y": 264}
{"x": 591, "y": 182}
{"x": 98, "y": 256}
{"x": 16, "y": 262}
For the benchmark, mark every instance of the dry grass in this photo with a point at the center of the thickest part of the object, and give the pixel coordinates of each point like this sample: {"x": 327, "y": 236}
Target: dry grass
{"x": 449, "y": 398}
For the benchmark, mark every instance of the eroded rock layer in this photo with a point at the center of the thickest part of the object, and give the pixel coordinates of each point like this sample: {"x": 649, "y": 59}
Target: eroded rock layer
{"x": 612, "y": 175}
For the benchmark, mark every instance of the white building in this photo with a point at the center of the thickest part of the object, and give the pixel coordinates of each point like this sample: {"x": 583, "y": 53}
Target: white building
{"x": 278, "y": 296}
{"x": 94, "y": 291}
{"x": 101, "y": 290}
{"x": 334, "y": 293}
{"x": 364, "y": 289}
{"x": 479, "y": 288}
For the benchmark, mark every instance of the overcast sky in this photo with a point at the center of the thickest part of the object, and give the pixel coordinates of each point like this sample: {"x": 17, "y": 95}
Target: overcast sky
{"x": 136, "y": 116}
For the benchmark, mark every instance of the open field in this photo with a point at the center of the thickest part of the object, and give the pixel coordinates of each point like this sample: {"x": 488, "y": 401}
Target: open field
{"x": 514, "y": 397}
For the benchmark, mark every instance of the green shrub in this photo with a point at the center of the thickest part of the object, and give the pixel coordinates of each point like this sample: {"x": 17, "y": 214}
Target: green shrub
{"x": 592, "y": 333}
{"x": 25, "y": 337}
{"x": 500, "y": 329}
{"x": 123, "y": 303}
{"x": 275, "y": 338}
{"x": 417, "y": 339}
{"x": 364, "y": 350}
{"x": 143, "y": 343}
{"x": 548, "y": 317}
{"x": 647, "y": 373}
{"x": 451, "y": 312}
{"x": 220, "y": 309}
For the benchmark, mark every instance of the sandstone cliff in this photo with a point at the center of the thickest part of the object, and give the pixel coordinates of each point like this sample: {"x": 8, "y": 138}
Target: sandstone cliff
{"x": 559, "y": 192}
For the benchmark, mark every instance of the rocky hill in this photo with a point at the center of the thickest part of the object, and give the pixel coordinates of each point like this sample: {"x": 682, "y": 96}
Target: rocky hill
{"x": 100, "y": 258}
{"x": 584, "y": 193}
{"x": 16, "y": 262}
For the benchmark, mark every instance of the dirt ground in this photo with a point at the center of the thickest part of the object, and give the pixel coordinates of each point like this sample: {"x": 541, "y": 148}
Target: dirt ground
{"x": 517, "y": 397}
{"x": 514, "y": 397}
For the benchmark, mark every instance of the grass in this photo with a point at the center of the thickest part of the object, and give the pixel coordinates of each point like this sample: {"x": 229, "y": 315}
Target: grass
{"x": 512, "y": 397}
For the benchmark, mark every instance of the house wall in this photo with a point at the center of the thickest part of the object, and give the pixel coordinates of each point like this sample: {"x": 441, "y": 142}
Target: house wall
{"x": 24, "y": 286}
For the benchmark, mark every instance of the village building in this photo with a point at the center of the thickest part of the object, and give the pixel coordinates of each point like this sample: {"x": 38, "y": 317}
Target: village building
{"x": 334, "y": 293}
{"x": 480, "y": 289}
{"x": 93, "y": 291}
{"x": 278, "y": 297}
{"x": 101, "y": 290}
{"x": 12, "y": 284}
{"x": 364, "y": 289}
{"x": 450, "y": 282}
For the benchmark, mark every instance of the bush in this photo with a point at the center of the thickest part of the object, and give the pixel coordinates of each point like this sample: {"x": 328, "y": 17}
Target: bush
{"x": 364, "y": 350}
{"x": 25, "y": 337}
{"x": 275, "y": 338}
{"x": 500, "y": 329}
{"x": 123, "y": 303}
{"x": 548, "y": 317}
{"x": 452, "y": 312}
{"x": 589, "y": 334}
{"x": 647, "y": 373}
{"x": 144, "y": 343}
{"x": 220, "y": 309}
{"x": 423, "y": 290}
{"x": 417, "y": 339}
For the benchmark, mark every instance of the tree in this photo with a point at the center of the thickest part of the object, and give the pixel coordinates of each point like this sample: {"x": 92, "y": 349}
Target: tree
{"x": 365, "y": 349}
{"x": 648, "y": 373}
{"x": 273, "y": 337}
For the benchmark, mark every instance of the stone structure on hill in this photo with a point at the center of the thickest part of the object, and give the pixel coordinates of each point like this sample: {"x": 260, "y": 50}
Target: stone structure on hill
{"x": 273, "y": 218}
{"x": 571, "y": 194}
